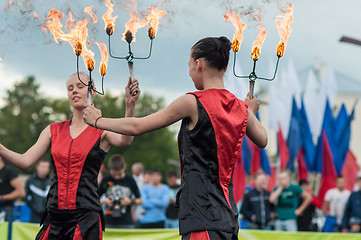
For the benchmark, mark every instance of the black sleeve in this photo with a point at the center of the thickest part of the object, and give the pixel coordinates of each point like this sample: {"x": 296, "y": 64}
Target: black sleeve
{"x": 246, "y": 207}
{"x": 11, "y": 174}
{"x": 103, "y": 187}
{"x": 135, "y": 188}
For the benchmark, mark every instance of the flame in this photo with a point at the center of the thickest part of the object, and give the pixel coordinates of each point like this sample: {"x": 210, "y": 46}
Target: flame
{"x": 7, "y": 5}
{"x": 153, "y": 18}
{"x": 70, "y": 21}
{"x": 108, "y": 19}
{"x": 77, "y": 37}
{"x": 234, "y": 18}
{"x": 283, "y": 22}
{"x": 88, "y": 10}
{"x": 132, "y": 26}
{"x": 257, "y": 44}
{"x": 36, "y": 15}
{"x": 104, "y": 62}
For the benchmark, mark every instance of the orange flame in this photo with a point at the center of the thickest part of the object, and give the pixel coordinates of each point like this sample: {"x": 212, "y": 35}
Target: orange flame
{"x": 132, "y": 26}
{"x": 257, "y": 44}
{"x": 36, "y": 15}
{"x": 77, "y": 36}
{"x": 283, "y": 22}
{"x": 153, "y": 18}
{"x": 108, "y": 19}
{"x": 7, "y": 5}
{"x": 234, "y": 18}
{"x": 104, "y": 62}
{"x": 70, "y": 21}
{"x": 88, "y": 10}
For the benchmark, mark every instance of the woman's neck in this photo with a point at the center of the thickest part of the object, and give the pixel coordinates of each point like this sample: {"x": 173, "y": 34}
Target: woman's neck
{"x": 213, "y": 79}
{"x": 77, "y": 119}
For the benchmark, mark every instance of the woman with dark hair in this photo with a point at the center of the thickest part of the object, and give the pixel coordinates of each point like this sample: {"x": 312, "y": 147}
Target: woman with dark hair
{"x": 210, "y": 139}
{"x": 73, "y": 209}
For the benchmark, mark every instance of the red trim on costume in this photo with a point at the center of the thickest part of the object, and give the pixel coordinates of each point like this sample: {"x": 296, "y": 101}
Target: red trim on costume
{"x": 100, "y": 229}
{"x": 69, "y": 156}
{"x": 203, "y": 235}
{"x": 77, "y": 233}
{"x": 45, "y": 235}
{"x": 229, "y": 117}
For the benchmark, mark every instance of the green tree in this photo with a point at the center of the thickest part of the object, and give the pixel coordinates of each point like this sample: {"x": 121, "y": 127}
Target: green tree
{"x": 24, "y": 115}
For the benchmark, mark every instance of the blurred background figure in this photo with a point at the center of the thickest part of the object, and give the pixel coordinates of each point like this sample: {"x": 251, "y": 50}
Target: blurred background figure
{"x": 155, "y": 201}
{"x": 172, "y": 210}
{"x": 36, "y": 188}
{"x": 256, "y": 207}
{"x": 334, "y": 206}
{"x": 305, "y": 220}
{"x": 352, "y": 216}
{"x": 121, "y": 192}
{"x": 11, "y": 189}
{"x": 138, "y": 173}
{"x": 286, "y": 197}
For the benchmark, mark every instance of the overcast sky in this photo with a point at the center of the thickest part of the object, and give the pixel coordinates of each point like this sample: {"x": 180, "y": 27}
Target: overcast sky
{"x": 316, "y": 30}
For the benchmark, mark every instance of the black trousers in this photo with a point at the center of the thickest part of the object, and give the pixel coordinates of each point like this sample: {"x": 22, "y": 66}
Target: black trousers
{"x": 71, "y": 225}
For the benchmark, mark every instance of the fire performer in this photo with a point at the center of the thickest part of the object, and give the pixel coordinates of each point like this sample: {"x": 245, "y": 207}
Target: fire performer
{"x": 210, "y": 139}
{"x": 77, "y": 150}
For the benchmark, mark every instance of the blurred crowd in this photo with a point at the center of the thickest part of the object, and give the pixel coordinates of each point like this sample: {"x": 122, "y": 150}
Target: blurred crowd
{"x": 142, "y": 200}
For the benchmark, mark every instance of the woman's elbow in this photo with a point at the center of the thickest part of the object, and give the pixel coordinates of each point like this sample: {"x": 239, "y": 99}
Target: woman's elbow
{"x": 263, "y": 142}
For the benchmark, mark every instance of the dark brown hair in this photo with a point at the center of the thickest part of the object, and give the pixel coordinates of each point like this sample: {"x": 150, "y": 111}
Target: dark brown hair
{"x": 214, "y": 50}
{"x": 116, "y": 162}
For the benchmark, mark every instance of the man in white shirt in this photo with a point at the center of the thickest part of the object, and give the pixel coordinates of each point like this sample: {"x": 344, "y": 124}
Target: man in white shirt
{"x": 334, "y": 205}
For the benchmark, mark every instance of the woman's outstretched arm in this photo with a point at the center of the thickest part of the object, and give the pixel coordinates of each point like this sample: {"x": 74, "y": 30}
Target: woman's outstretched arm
{"x": 183, "y": 107}
{"x": 32, "y": 155}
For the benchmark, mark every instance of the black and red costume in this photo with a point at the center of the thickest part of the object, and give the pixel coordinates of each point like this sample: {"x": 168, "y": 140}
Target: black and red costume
{"x": 73, "y": 206}
{"x": 208, "y": 154}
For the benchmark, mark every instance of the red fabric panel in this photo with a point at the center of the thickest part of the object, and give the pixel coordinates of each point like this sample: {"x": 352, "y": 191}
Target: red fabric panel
{"x": 77, "y": 233}
{"x": 350, "y": 170}
{"x": 100, "y": 229}
{"x": 45, "y": 235}
{"x": 229, "y": 117}
{"x": 282, "y": 148}
{"x": 69, "y": 156}
{"x": 329, "y": 175}
{"x": 239, "y": 180}
{"x": 302, "y": 168}
{"x": 199, "y": 236}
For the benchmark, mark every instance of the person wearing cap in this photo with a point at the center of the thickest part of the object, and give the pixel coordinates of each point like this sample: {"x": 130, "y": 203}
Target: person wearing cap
{"x": 352, "y": 216}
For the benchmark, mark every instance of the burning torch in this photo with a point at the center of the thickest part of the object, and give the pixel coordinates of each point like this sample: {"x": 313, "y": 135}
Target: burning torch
{"x": 152, "y": 18}
{"x": 283, "y": 25}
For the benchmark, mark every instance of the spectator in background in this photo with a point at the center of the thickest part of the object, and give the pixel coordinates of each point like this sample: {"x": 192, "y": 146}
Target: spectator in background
{"x": 172, "y": 210}
{"x": 121, "y": 192}
{"x": 138, "y": 211}
{"x": 11, "y": 189}
{"x": 155, "y": 200}
{"x": 285, "y": 196}
{"x": 334, "y": 206}
{"x": 37, "y": 187}
{"x": 256, "y": 207}
{"x": 138, "y": 173}
{"x": 304, "y": 221}
{"x": 352, "y": 215}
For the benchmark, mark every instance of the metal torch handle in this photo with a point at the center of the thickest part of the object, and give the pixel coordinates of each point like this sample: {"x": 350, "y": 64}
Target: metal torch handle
{"x": 90, "y": 98}
{"x": 131, "y": 75}
{"x": 251, "y": 87}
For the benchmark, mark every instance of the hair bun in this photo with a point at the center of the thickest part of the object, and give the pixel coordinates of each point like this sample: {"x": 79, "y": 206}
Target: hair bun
{"x": 225, "y": 43}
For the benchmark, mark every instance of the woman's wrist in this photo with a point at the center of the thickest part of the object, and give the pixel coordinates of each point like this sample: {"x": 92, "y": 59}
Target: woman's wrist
{"x": 97, "y": 121}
